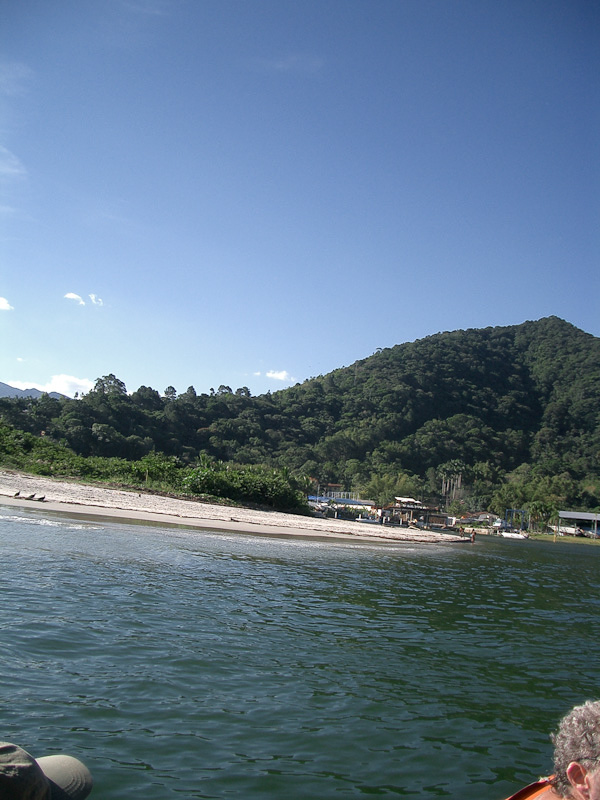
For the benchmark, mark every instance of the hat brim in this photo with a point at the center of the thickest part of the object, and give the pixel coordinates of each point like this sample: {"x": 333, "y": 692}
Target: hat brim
{"x": 68, "y": 777}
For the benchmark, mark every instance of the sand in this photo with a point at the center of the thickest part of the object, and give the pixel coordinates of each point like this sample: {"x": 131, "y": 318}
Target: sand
{"x": 92, "y": 501}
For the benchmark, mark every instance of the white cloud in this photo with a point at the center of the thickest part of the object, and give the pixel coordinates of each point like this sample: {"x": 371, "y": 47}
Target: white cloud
{"x": 280, "y": 375}
{"x": 68, "y": 384}
{"x": 76, "y": 297}
{"x": 5, "y": 305}
{"x": 97, "y": 301}
{"x": 64, "y": 384}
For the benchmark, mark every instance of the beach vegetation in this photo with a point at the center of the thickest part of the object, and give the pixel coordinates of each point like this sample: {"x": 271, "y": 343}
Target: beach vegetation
{"x": 256, "y": 485}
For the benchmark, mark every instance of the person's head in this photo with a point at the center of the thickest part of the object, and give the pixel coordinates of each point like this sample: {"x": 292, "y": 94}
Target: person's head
{"x": 59, "y": 777}
{"x": 577, "y": 753}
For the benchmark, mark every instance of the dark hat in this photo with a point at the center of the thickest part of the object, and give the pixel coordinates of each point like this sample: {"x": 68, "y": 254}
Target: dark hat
{"x": 60, "y": 777}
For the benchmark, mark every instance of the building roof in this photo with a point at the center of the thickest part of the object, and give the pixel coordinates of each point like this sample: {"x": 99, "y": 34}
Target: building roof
{"x": 341, "y": 501}
{"x": 583, "y": 515}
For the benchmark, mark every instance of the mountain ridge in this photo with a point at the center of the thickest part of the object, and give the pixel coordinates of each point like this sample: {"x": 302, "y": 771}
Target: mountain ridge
{"x": 502, "y": 396}
{"x": 6, "y": 390}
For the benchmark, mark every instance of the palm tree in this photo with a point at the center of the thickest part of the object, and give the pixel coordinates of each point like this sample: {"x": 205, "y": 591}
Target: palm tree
{"x": 451, "y": 476}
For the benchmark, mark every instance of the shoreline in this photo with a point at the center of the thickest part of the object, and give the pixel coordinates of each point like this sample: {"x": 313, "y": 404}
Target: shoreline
{"x": 117, "y": 505}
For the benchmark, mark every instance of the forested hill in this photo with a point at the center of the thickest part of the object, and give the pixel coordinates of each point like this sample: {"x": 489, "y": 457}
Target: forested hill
{"x": 485, "y": 401}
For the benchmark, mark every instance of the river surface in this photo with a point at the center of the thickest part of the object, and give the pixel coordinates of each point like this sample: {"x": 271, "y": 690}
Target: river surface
{"x": 181, "y": 664}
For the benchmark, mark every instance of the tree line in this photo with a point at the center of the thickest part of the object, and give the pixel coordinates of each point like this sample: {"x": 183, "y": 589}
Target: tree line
{"x": 490, "y": 418}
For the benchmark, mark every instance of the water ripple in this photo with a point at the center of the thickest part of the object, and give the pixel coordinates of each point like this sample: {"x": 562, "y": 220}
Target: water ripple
{"x": 197, "y": 665}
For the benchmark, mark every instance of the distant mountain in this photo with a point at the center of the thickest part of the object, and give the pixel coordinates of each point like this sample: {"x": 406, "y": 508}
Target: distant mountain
{"x": 12, "y": 391}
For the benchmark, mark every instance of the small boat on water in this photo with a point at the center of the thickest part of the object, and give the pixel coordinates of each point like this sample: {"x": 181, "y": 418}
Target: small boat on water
{"x": 513, "y": 535}
{"x": 537, "y": 789}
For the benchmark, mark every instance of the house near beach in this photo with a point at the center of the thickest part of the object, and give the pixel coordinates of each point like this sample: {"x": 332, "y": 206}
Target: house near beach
{"x": 332, "y": 499}
{"x": 408, "y": 511}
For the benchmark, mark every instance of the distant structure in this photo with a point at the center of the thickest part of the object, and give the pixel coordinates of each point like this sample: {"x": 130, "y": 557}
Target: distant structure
{"x": 587, "y": 518}
{"x": 408, "y": 511}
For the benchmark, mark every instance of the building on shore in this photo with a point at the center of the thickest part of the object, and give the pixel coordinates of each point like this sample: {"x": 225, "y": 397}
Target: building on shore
{"x": 583, "y": 523}
{"x": 408, "y": 511}
{"x": 404, "y": 511}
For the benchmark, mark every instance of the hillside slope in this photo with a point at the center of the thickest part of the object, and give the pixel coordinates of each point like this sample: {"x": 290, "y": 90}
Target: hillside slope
{"x": 504, "y": 395}
{"x": 492, "y": 399}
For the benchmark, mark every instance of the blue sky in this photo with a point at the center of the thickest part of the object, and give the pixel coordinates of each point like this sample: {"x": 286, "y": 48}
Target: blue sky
{"x": 254, "y": 192}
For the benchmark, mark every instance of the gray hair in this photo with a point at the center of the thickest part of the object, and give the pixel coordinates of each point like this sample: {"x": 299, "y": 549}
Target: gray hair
{"x": 577, "y": 739}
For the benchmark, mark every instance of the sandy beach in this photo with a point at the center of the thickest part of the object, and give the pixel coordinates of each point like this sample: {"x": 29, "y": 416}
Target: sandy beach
{"x": 88, "y": 500}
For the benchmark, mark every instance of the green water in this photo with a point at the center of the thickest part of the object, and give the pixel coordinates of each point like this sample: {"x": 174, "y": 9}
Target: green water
{"x": 201, "y": 665}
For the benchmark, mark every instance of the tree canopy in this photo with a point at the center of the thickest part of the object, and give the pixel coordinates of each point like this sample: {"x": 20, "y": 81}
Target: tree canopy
{"x": 516, "y": 407}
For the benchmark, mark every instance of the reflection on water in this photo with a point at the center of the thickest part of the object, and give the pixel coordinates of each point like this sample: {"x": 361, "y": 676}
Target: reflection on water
{"x": 193, "y": 664}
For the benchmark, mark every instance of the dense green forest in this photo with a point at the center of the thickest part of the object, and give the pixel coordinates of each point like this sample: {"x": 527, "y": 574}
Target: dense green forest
{"x": 489, "y": 418}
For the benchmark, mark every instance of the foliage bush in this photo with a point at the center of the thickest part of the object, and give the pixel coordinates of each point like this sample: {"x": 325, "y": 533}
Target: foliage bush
{"x": 249, "y": 484}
